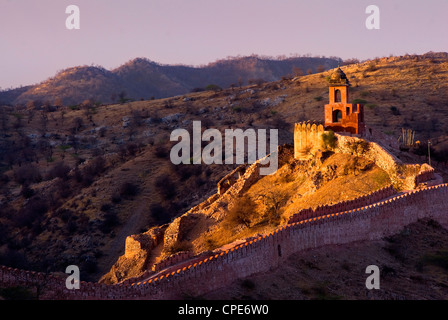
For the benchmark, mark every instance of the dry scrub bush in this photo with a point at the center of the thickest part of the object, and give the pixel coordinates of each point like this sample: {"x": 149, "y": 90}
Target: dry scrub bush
{"x": 242, "y": 212}
{"x": 179, "y": 246}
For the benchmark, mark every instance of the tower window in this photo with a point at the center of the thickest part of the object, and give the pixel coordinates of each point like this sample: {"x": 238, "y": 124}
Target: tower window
{"x": 337, "y": 95}
{"x": 337, "y": 116}
{"x": 347, "y": 110}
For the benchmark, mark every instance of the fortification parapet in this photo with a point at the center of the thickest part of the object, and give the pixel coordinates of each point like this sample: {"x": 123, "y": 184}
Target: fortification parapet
{"x": 372, "y": 221}
{"x": 344, "y": 205}
{"x": 425, "y": 174}
{"x": 307, "y": 139}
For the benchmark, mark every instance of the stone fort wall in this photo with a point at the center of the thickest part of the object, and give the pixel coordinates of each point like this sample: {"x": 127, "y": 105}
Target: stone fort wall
{"x": 359, "y": 202}
{"x": 308, "y": 141}
{"x": 261, "y": 254}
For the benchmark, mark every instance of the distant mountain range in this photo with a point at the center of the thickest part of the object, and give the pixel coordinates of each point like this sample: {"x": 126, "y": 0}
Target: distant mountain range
{"x": 143, "y": 79}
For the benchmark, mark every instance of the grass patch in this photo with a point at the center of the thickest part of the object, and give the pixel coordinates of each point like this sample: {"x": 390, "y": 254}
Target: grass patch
{"x": 381, "y": 178}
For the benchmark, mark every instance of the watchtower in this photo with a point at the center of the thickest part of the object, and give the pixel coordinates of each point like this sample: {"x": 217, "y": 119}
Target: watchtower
{"x": 341, "y": 116}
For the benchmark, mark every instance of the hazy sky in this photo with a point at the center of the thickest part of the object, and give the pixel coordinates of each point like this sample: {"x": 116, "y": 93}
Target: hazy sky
{"x": 35, "y": 43}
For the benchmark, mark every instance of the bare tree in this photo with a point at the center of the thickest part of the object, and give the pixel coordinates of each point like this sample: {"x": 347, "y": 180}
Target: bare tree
{"x": 298, "y": 72}
{"x": 122, "y": 97}
{"x": 74, "y": 142}
{"x": 87, "y": 106}
{"x": 240, "y": 82}
{"x": 136, "y": 118}
{"x": 58, "y": 102}
{"x": 30, "y": 104}
{"x": 273, "y": 200}
{"x": 43, "y": 122}
{"x": 63, "y": 112}
{"x": 320, "y": 68}
{"x": 4, "y": 119}
{"x": 18, "y": 124}
{"x": 31, "y": 113}
{"x": 242, "y": 212}
{"x": 77, "y": 124}
{"x": 45, "y": 149}
{"x": 113, "y": 97}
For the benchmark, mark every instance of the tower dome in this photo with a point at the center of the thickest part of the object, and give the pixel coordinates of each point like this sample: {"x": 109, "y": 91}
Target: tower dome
{"x": 338, "y": 78}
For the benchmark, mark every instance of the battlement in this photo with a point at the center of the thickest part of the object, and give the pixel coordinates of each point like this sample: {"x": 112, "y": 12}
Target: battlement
{"x": 343, "y": 206}
{"x": 172, "y": 260}
{"x": 308, "y": 143}
{"x": 202, "y": 274}
{"x": 425, "y": 174}
{"x": 307, "y": 139}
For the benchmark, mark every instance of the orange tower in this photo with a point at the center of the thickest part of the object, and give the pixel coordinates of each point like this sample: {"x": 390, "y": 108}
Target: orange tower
{"x": 341, "y": 116}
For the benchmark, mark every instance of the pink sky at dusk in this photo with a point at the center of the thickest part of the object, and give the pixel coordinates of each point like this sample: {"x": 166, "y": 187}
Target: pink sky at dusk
{"x": 34, "y": 42}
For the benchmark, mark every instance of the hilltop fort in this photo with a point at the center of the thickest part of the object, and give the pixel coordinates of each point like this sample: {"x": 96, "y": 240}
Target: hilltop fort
{"x": 341, "y": 145}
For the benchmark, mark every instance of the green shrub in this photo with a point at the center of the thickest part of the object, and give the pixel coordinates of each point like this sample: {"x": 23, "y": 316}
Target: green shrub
{"x": 26, "y": 191}
{"x": 166, "y": 186}
{"x": 359, "y": 101}
{"x": 26, "y": 174}
{"x": 329, "y": 140}
{"x": 128, "y": 190}
{"x": 364, "y": 93}
{"x": 106, "y": 207}
{"x": 248, "y": 284}
{"x": 213, "y": 87}
{"x": 359, "y": 147}
{"x": 395, "y": 111}
{"x": 109, "y": 222}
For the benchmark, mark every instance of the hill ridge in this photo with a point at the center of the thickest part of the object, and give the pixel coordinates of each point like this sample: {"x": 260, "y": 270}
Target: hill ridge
{"x": 235, "y": 260}
{"x": 90, "y": 201}
{"x": 142, "y": 78}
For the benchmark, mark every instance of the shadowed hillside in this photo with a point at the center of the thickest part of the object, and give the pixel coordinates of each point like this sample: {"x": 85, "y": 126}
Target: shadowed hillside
{"x": 413, "y": 266}
{"x": 78, "y": 180}
{"x": 143, "y": 79}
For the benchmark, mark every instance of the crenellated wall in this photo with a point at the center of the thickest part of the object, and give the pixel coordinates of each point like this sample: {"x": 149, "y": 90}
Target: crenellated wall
{"x": 200, "y": 275}
{"x": 403, "y": 176}
{"x": 344, "y": 205}
{"x": 307, "y": 139}
{"x": 426, "y": 173}
{"x": 172, "y": 260}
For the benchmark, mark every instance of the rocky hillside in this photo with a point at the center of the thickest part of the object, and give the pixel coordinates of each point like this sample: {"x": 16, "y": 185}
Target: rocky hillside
{"x": 144, "y": 79}
{"x": 79, "y": 180}
{"x": 250, "y": 204}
